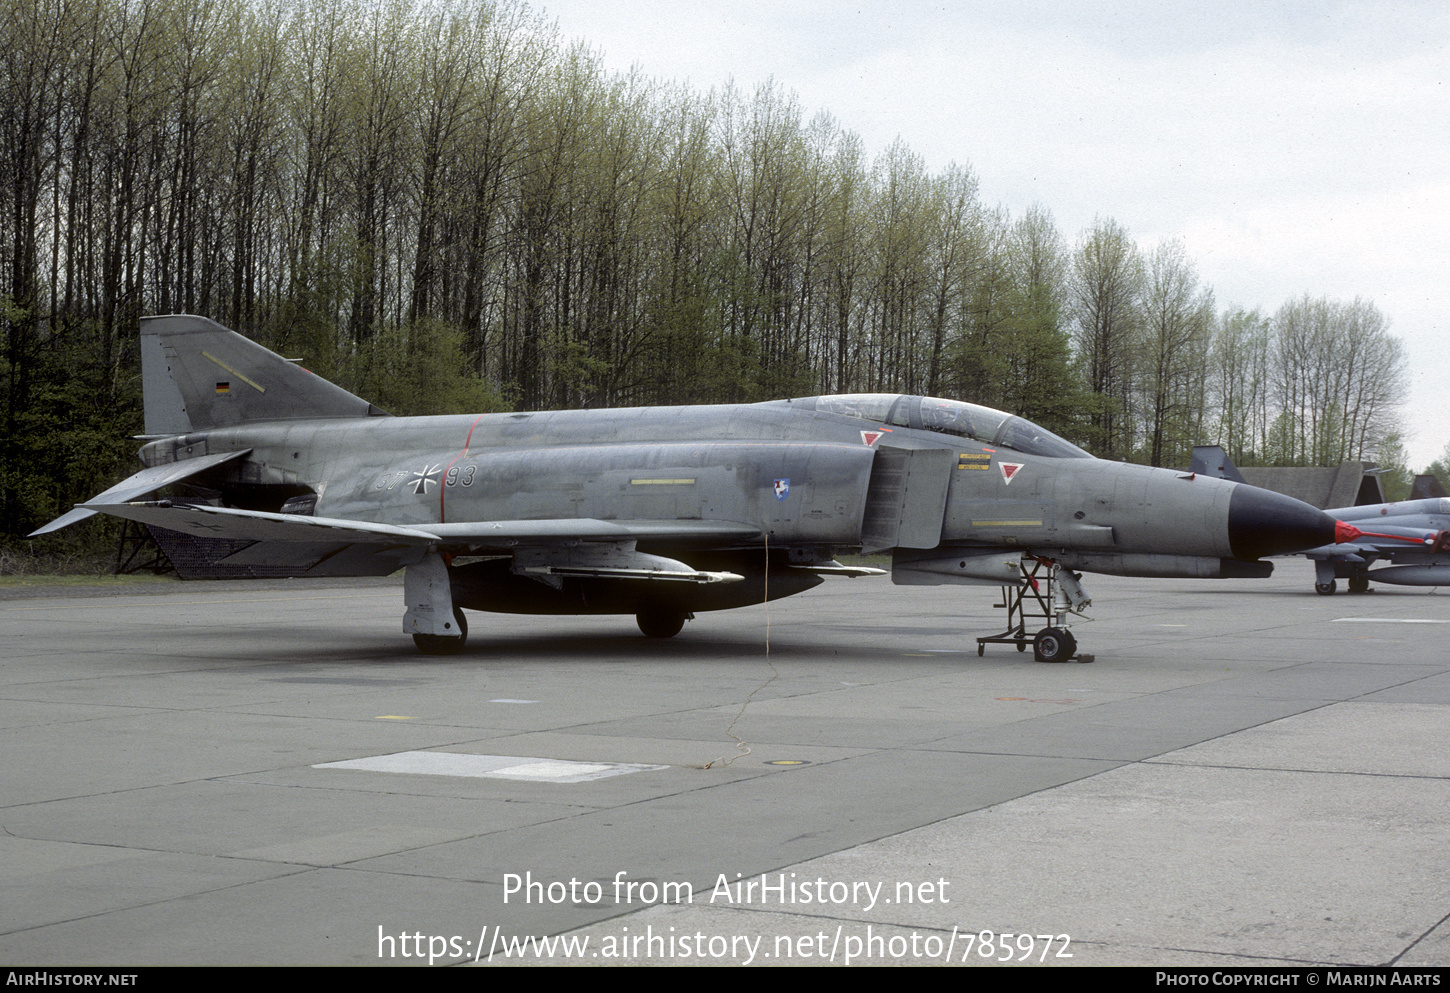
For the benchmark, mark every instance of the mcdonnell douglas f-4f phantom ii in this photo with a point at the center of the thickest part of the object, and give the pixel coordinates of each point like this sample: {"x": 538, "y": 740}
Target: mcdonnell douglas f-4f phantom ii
{"x": 659, "y": 511}
{"x": 1410, "y": 535}
{"x": 1413, "y": 535}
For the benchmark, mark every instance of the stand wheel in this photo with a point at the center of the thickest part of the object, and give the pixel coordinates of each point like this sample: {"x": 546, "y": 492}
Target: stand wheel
{"x": 1053, "y": 645}
{"x": 1326, "y": 589}
{"x": 440, "y": 644}
{"x": 1022, "y": 646}
{"x": 1359, "y": 584}
{"x": 660, "y": 623}
{"x": 981, "y": 649}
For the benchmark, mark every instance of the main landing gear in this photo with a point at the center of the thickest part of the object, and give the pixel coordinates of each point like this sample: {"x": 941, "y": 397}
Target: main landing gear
{"x": 438, "y": 644}
{"x": 437, "y": 626}
{"x": 1049, "y": 593}
{"x": 662, "y": 622}
{"x": 1324, "y": 573}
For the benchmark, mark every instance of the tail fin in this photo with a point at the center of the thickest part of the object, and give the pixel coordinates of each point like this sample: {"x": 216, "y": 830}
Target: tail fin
{"x": 1212, "y": 460}
{"x": 197, "y": 375}
{"x": 1427, "y": 485}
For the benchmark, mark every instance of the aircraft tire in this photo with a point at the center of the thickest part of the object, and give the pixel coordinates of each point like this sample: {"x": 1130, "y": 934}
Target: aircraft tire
{"x": 1326, "y": 589}
{"x": 660, "y": 623}
{"x": 437, "y": 644}
{"x": 1359, "y": 584}
{"x": 1054, "y": 645}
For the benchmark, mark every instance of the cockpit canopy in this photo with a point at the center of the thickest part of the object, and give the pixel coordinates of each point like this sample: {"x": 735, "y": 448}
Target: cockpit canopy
{"x": 953, "y": 417}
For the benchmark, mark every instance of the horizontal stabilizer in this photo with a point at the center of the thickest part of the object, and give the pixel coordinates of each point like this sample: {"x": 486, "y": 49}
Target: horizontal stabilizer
{"x": 146, "y": 481}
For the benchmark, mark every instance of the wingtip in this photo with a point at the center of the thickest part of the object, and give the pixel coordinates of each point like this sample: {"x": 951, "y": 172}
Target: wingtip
{"x": 70, "y": 517}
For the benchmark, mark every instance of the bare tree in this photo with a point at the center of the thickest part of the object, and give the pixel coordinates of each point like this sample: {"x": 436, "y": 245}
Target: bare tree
{"x": 1177, "y": 321}
{"x": 1106, "y": 284}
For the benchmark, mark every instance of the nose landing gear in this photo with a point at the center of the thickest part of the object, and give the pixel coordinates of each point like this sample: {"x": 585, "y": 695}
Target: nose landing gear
{"x": 1051, "y": 594}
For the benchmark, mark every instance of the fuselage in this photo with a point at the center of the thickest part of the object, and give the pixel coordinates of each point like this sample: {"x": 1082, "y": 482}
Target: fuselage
{"x": 874, "y": 470}
{"x": 1431, "y": 513}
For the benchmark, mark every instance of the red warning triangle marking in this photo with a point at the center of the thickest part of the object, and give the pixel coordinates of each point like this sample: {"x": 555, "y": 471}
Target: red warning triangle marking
{"x": 1009, "y": 469}
{"x": 869, "y": 438}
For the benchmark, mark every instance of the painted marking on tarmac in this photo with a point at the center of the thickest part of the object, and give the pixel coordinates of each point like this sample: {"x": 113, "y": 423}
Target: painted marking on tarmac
{"x": 504, "y": 699}
{"x": 393, "y": 717}
{"x": 518, "y": 767}
{"x": 1388, "y": 620}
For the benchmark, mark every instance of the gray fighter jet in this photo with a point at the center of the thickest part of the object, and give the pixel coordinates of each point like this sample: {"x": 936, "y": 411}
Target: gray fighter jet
{"x": 661, "y": 511}
{"x": 1411, "y": 535}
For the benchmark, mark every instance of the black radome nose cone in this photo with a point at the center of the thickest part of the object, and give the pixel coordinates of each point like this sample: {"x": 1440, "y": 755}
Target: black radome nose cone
{"x": 1262, "y": 522}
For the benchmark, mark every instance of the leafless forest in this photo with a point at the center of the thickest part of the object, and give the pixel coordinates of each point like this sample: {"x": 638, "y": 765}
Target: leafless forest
{"x": 443, "y": 207}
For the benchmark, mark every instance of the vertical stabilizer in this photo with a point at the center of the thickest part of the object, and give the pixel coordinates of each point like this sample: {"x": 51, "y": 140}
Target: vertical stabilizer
{"x": 1212, "y": 460}
{"x": 198, "y": 375}
{"x": 1427, "y": 485}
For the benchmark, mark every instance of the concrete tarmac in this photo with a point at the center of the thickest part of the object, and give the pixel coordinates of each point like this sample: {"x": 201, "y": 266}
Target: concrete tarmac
{"x": 1248, "y": 774}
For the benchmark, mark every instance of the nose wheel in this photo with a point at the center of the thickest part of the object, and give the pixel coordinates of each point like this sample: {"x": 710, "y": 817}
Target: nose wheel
{"x": 1053, "y": 645}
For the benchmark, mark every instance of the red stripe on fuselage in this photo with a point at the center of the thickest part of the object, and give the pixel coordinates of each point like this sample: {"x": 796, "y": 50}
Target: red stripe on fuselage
{"x": 443, "y": 483}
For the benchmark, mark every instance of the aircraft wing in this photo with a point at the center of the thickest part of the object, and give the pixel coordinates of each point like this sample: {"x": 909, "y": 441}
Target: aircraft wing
{"x": 326, "y": 535}
{"x": 146, "y": 481}
{"x": 254, "y": 525}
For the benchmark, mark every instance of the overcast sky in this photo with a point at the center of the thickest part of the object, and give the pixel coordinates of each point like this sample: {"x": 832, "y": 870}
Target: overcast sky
{"x": 1295, "y": 147}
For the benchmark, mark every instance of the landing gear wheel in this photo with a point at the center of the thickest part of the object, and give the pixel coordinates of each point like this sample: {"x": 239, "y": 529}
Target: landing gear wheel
{"x": 660, "y": 623}
{"x": 1326, "y": 589}
{"x": 1053, "y": 645}
{"x": 1359, "y": 584}
{"x": 440, "y": 644}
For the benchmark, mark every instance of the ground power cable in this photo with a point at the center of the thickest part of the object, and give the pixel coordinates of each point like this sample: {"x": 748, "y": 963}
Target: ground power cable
{"x": 740, "y": 746}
